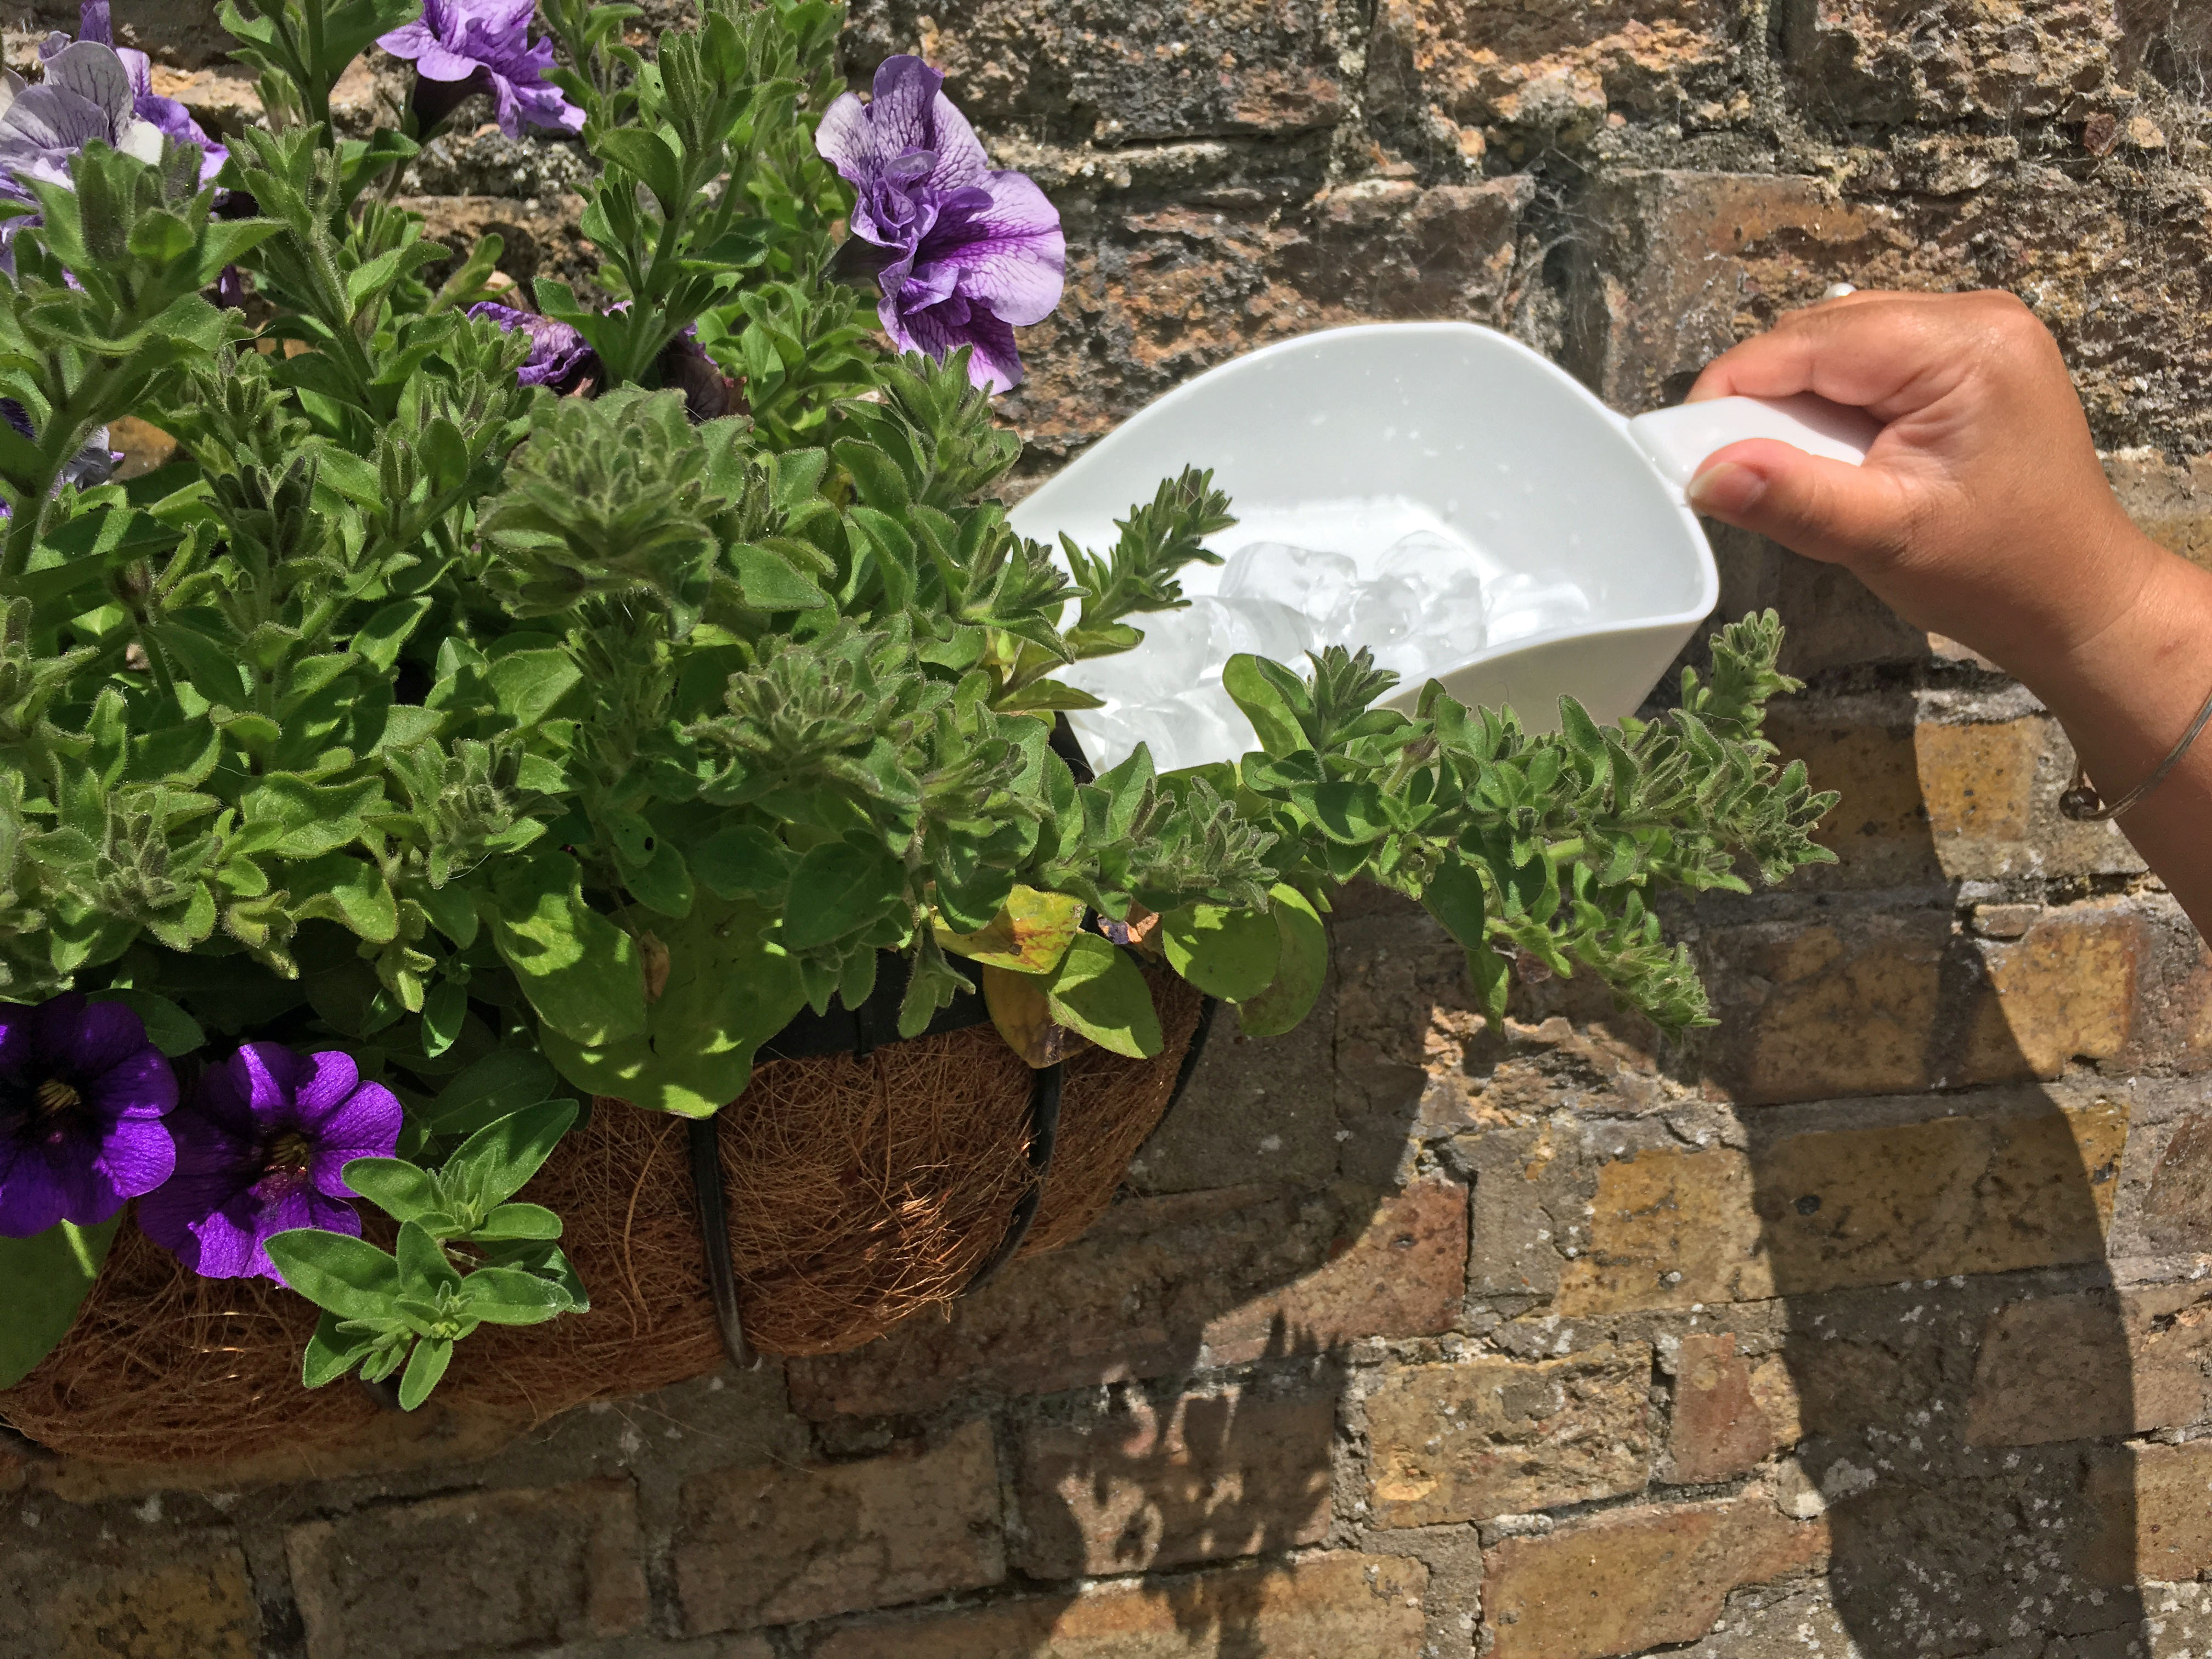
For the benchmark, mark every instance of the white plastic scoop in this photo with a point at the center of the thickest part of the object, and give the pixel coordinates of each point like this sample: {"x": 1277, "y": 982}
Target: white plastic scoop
{"x": 1487, "y": 455}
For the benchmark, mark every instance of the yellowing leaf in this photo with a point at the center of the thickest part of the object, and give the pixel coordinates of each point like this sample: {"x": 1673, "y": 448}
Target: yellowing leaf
{"x": 1023, "y": 1012}
{"x": 1029, "y": 935}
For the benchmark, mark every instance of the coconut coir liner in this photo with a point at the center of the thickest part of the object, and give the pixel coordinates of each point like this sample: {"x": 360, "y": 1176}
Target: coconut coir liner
{"x": 860, "y": 1191}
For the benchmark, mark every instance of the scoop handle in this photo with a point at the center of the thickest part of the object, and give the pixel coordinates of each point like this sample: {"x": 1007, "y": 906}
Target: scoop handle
{"x": 1678, "y": 439}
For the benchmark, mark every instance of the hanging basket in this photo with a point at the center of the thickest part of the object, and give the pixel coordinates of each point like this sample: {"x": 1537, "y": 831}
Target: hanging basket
{"x": 857, "y": 1189}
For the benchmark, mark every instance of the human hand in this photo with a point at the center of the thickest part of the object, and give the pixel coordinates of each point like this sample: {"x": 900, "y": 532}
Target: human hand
{"x": 1981, "y": 511}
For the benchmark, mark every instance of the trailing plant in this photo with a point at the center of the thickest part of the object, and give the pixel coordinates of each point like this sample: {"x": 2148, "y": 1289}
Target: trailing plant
{"x": 491, "y": 706}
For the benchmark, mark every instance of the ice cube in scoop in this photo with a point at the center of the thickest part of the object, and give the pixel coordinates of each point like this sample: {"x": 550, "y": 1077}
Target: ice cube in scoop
{"x": 1305, "y": 578}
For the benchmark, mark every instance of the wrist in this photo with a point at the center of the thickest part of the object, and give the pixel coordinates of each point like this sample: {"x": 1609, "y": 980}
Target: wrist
{"x": 2151, "y": 645}
{"x": 2105, "y": 602}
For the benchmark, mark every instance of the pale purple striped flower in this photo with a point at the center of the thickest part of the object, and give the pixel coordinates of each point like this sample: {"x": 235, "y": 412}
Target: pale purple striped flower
{"x": 963, "y": 255}
{"x": 165, "y": 115}
{"x": 461, "y": 46}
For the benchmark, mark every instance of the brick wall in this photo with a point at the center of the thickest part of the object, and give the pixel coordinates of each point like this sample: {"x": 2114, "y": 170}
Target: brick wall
{"x": 1874, "y": 1322}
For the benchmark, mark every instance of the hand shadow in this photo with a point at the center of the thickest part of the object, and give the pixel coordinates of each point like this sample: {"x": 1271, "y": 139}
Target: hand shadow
{"x": 1934, "y": 1165}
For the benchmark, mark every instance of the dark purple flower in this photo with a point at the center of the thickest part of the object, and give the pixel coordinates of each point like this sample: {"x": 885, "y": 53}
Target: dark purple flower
{"x": 461, "y": 46}
{"x": 559, "y": 357}
{"x": 83, "y": 1095}
{"x": 964, "y": 255}
{"x": 261, "y": 1148}
{"x": 165, "y": 115}
{"x": 92, "y": 465}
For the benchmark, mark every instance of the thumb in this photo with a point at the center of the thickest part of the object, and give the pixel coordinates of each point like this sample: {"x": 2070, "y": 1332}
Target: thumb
{"x": 1824, "y": 509}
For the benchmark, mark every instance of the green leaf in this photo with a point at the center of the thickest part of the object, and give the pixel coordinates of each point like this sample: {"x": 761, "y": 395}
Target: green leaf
{"x": 772, "y": 582}
{"x": 492, "y": 1165}
{"x": 1301, "y": 968}
{"x": 349, "y": 1276}
{"x": 396, "y": 1186}
{"x": 1226, "y": 953}
{"x": 580, "y": 972}
{"x": 728, "y": 990}
{"x": 742, "y": 862}
{"x": 527, "y": 684}
{"x": 1255, "y": 690}
{"x": 424, "y": 1367}
{"x": 1454, "y": 898}
{"x": 424, "y": 1266}
{"x": 510, "y": 1221}
{"x": 308, "y": 819}
{"x": 333, "y": 1353}
{"x": 1099, "y": 992}
{"x": 660, "y": 882}
{"x": 504, "y": 1081}
{"x": 444, "y": 1006}
{"x": 380, "y": 640}
{"x": 838, "y": 888}
{"x": 647, "y": 156}
{"x": 43, "y": 1280}
{"x": 339, "y": 887}
{"x": 168, "y": 1027}
{"x": 1493, "y": 980}
{"x": 214, "y": 669}
{"x": 509, "y": 1295}
{"x": 1352, "y": 813}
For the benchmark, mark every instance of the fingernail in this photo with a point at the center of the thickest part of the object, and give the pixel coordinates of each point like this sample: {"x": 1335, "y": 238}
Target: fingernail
{"x": 1726, "y": 490}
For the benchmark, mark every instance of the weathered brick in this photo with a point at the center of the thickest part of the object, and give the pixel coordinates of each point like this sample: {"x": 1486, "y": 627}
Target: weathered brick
{"x": 1861, "y": 1206}
{"x": 1929, "y": 802}
{"x": 1204, "y": 1478}
{"x": 1490, "y": 1437}
{"x": 1130, "y": 73}
{"x": 1548, "y": 67}
{"x": 1338, "y": 1606}
{"x": 1159, "y": 1281}
{"x": 776, "y": 1544}
{"x": 1253, "y": 1104}
{"x": 2170, "y": 503}
{"x": 1859, "y": 62}
{"x": 1636, "y": 1579}
{"x": 476, "y": 1573}
{"x": 1927, "y": 1006}
{"x": 189, "y": 1598}
{"x": 1730, "y": 1414}
{"x": 2178, "y": 1209}
{"x": 1680, "y": 266}
{"x": 2074, "y": 1367}
{"x": 2153, "y": 1516}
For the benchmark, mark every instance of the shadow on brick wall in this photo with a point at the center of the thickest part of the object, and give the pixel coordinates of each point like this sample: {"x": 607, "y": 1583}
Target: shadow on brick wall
{"x": 1933, "y": 1196}
{"x": 1169, "y": 1387}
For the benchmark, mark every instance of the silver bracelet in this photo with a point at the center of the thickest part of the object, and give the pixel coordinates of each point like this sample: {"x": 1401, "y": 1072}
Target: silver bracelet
{"x": 2083, "y": 804}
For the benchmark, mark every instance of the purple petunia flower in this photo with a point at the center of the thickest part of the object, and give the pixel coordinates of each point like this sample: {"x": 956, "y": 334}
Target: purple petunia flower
{"x": 964, "y": 255}
{"x": 165, "y": 115}
{"x": 261, "y": 1148}
{"x": 83, "y": 1095}
{"x": 461, "y": 46}
{"x": 559, "y": 357}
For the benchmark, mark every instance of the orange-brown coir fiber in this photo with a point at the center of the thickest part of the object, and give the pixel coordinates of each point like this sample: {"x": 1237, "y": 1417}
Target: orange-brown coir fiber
{"x": 860, "y": 1193}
